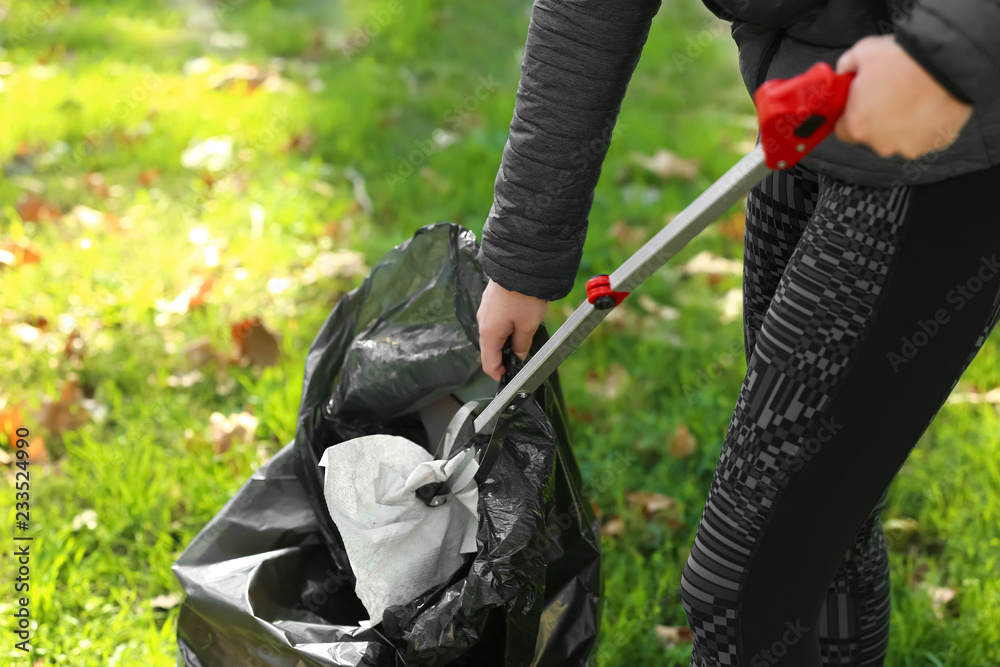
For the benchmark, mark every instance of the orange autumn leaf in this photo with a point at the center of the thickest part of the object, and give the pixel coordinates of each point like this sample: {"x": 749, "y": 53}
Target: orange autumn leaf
{"x": 35, "y": 209}
{"x": 255, "y": 343}
{"x": 113, "y": 223}
{"x": 149, "y": 176}
{"x": 198, "y": 291}
{"x": 14, "y": 254}
{"x": 40, "y": 322}
{"x": 11, "y": 420}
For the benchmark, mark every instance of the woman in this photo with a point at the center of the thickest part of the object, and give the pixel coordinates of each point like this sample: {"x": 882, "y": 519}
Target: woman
{"x": 871, "y": 280}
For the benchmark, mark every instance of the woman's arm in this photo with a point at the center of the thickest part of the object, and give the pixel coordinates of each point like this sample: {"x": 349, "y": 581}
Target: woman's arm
{"x": 578, "y": 58}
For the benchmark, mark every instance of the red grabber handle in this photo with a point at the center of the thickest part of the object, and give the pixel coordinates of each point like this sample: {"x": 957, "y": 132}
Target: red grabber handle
{"x": 796, "y": 114}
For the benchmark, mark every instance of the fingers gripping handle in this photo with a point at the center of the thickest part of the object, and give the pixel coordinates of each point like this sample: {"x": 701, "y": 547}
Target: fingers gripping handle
{"x": 796, "y": 114}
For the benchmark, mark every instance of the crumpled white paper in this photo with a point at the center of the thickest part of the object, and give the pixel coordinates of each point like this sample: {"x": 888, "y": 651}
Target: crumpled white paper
{"x": 398, "y": 547}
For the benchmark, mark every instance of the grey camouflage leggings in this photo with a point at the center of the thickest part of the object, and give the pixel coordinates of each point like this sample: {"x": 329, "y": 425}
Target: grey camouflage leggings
{"x": 862, "y": 308}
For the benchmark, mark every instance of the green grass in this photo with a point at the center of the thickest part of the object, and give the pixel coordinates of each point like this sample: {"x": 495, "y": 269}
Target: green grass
{"x": 99, "y": 86}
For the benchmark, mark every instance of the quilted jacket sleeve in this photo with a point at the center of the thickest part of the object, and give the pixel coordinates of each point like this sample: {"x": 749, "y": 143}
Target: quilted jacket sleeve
{"x": 958, "y": 42}
{"x": 578, "y": 59}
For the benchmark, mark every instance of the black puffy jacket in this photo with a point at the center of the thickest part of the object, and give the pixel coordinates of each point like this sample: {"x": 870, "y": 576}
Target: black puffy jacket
{"x": 580, "y": 54}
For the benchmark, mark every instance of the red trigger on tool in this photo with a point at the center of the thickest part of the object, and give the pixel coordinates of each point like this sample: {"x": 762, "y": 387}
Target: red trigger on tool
{"x": 600, "y": 294}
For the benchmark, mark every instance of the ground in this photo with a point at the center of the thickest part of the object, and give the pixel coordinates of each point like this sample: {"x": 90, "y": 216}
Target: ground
{"x": 174, "y": 169}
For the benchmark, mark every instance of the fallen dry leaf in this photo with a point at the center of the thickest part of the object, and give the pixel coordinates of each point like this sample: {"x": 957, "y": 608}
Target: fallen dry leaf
{"x": 18, "y": 253}
{"x": 992, "y": 396}
{"x": 193, "y": 296}
{"x": 682, "y": 443}
{"x": 35, "y": 209}
{"x": 918, "y": 574}
{"x": 212, "y": 154}
{"x": 94, "y": 219}
{"x": 186, "y": 380}
{"x": 64, "y": 413}
{"x": 899, "y": 532}
{"x": 74, "y": 348}
{"x": 301, "y": 141}
{"x": 255, "y": 343}
{"x": 706, "y": 262}
{"x": 149, "y": 176}
{"x": 166, "y": 602}
{"x": 86, "y": 216}
{"x": 941, "y": 599}
{"x": 731, "y": 305}
{"x": 610, "y": 384}
{"x": 344, "y": 263}
{"x": 8, "y": 316}
{"x": 672, "y": 635}
{"x": 650, "y": 503}
{"x": 613, "y": 526}
{"x": 631, "y": 236}
{"x": 198, "y": 291}
{"x": 665, "y": 164}
{"x": 115, "y": 224}
{"x": 40, "y": 322}
{"x": 11, "y": 419}
{"x": 653, "y": 307}
{"x": 234, "y": 429}
{"x": 230, "y": 75}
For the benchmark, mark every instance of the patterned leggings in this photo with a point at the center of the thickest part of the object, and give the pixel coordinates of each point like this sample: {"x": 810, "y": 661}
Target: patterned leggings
{"x": 862, "y": 308}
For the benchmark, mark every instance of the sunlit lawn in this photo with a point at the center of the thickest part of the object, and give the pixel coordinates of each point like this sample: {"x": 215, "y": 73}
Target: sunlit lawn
{"x": 172, "y": 169}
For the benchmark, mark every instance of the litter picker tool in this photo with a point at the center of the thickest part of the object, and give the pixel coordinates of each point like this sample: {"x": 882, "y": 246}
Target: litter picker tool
{"x": 794, "y": 116}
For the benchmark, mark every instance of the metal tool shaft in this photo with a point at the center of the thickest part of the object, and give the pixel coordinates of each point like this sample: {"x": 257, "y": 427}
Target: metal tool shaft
{"x": 704, "y": 210}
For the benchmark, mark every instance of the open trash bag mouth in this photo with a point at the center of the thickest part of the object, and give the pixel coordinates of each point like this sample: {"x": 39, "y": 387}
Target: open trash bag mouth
{"x": 269, "y": 580}
{"x": 398, "y": 545}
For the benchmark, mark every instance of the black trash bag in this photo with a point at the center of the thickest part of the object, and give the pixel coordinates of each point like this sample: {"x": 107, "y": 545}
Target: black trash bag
{"x": 268, "y": 581}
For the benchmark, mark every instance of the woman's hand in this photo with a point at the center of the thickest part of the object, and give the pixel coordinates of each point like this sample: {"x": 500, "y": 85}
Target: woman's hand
{"x": 502, "y": 313}
{"x": 895, "y": 106}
